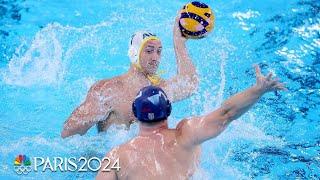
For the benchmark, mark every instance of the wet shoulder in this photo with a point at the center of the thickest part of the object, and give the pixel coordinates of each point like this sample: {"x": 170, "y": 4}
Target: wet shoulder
{"x": 178, "y": 131}
{"x": 113, "y": 154}
{"x": 112, "y": 84}
{"x": 125, "y": 151}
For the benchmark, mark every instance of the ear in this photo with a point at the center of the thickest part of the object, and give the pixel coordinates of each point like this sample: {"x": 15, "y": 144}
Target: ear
{"x": 134, "y": 110}
{"x": 169, "y": 108}
{"x": 131, "y": 52}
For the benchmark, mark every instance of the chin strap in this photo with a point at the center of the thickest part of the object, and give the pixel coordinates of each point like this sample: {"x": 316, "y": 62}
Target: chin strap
{"x": 154, "y": 79}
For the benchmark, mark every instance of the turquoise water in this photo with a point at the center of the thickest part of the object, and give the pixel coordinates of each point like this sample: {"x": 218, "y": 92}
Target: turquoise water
{"x": 51, "y": 52}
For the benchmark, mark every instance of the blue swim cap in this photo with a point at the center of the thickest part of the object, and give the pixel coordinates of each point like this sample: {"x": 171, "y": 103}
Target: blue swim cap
{"x": 151, "y": 105}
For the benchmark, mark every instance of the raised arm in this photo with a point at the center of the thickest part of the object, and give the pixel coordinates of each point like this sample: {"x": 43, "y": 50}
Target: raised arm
{"x": 186, "y": 81}
{"x": 196, "y": 130}
{"x": 94, "y": 109}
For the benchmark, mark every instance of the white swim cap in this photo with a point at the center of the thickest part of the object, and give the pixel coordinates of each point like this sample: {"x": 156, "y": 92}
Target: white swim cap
{"x": 136, "y": 43}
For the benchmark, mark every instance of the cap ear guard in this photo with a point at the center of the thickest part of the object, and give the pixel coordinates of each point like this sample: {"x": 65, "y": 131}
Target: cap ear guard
{"x": 134, "y": 109}
{"x": 132, "y": 55}
{"x": 169, "y": 108}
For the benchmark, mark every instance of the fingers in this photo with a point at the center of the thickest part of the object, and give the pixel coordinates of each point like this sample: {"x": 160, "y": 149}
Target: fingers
{"x": 269, "y": 76}
{"x": 276, "y": 79}
{"x": 268, "y": 81}
{"x": 178, "y": 16}
{"x": 283, "y": 89}
{"x": 176, "y": 22}
{"x": 274, "y": 82}
{"x": 280, "y": 86}
{"x": 257, "y": 69}
{"x": 259, "y": 74}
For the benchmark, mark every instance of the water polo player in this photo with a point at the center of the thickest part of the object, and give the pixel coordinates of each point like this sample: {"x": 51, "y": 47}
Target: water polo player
{"x": 162, "y": 153}
{"x": 109, "y": 101}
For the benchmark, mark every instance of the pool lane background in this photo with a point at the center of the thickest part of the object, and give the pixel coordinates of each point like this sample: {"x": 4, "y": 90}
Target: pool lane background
{"x": 51, "y": 52}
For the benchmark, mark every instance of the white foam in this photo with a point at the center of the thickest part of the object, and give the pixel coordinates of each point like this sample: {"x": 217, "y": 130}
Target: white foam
{"x": 225, "y": 48}
{"x": 247, "y": 130}
{"x": 224, "y": 57}
{"x": 41, "y": 63}
{"x": 57, "y": 146}
{"x": 201, "y": 173}
{"x": 208, "y": 104}
{"x": 294, "y": 58}
{"x": 48, "y": 55}
{"x": 243, "y": 16}
{"x": 308, "y": 31}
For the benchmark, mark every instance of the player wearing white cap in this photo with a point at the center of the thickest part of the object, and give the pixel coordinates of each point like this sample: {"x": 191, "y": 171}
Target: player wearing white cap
{"x": 109, "y": 101}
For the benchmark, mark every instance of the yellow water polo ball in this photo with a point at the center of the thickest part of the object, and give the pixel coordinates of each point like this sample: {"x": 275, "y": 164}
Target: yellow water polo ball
{"x": 196, "y": 20}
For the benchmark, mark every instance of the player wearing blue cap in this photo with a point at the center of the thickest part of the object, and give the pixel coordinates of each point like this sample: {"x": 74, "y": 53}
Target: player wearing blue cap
{"x": 162, "y": 153}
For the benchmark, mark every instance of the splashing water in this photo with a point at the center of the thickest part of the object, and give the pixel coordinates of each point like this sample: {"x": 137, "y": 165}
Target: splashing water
{"x": 54, "y": 52}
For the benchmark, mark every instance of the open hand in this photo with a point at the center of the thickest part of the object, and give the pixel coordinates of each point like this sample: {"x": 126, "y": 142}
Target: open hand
{"x": 267, "y": 83}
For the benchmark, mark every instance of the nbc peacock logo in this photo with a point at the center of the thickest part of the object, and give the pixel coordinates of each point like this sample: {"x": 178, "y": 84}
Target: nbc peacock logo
{"x": 22, "y": 164}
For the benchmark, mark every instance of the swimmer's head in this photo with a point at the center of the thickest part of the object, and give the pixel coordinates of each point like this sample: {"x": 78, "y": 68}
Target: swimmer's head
{"x": 151, "y": 105}
{"x": 145, "y": 51}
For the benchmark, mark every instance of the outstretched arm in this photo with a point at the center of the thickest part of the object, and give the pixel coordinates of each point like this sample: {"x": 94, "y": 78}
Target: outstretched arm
{"x": 199, "y": 129}
{"x": 186, "y": 81}
{"x": 92, "y": 110}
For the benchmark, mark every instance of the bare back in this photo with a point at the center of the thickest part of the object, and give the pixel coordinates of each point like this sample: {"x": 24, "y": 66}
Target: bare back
{"x": 156, "y": 156}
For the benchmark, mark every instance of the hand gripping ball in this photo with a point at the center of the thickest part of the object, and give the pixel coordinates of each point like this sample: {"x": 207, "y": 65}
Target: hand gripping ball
{"x": 196, "y": 20}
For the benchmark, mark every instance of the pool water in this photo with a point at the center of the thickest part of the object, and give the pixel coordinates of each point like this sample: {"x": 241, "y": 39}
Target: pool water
{"x": 52, "y": 52}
